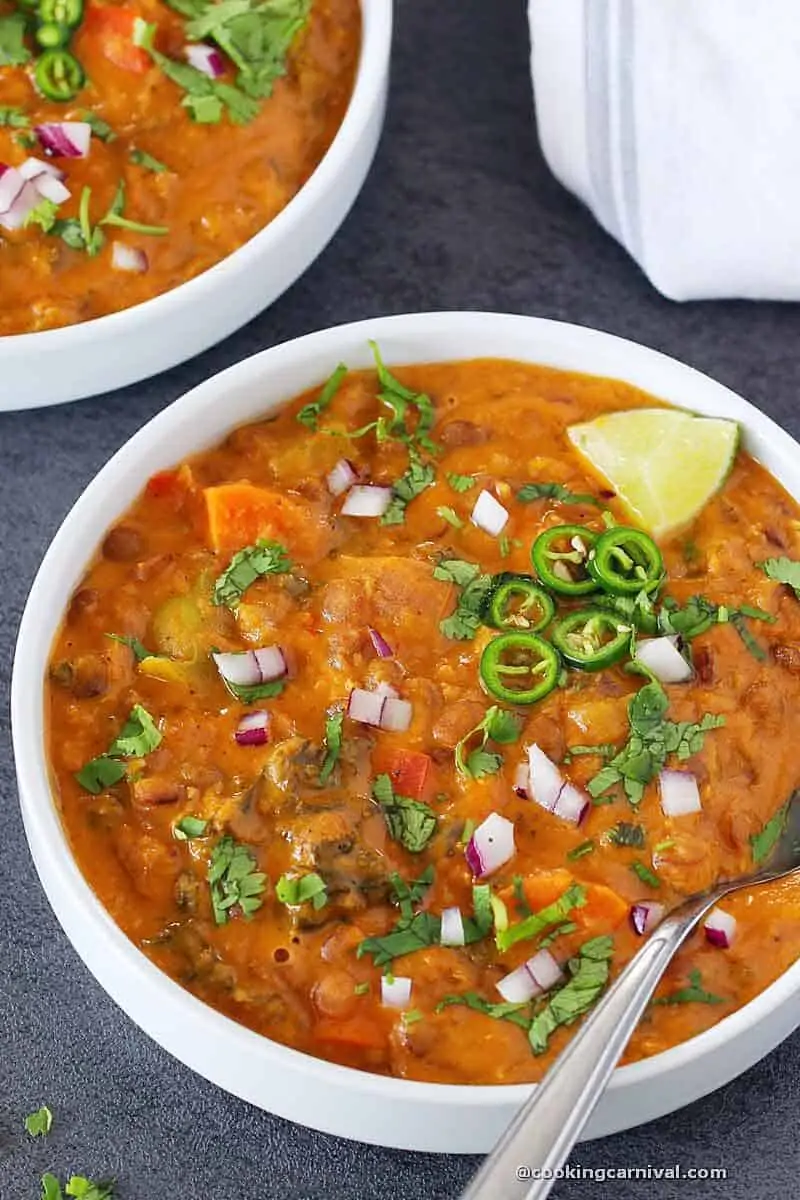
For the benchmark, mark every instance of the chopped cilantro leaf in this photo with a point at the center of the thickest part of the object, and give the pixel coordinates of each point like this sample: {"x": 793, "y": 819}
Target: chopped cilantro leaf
{"x": 140, "y": 651}
{"x": 498, "y": 725}
{"x": 643, "y": 872}
{"x": 100, "y": 773}
{"x": 783, "y": 570}
{"x": 301, "y": 889}
{"x": 333, "y": 745}
{"x": 555, "y": 491}
{"x": 589, "y": 971}
{"x": 138, "y": 736}
{"x": 626, "y": 834}
{"x": 603, "y": 750}
{"x": 255, "y": 36}
{"x": 580, "y": 850}
{"x": 413, "y": 931}
{"x": 39, "y": 1123}
{"x": 189, "y": 828}
{"x": 234, "y": 879}
{"x": 100, "y": 128}
{"x": 559, "y": 931}
{"x": 82, "y": 1188}
{"x": 536, "y": 923}
{"x": 114, "y": 216}
{"x": 361, "y": 989}
{"x": 520, "y": 899}
{"x": 13, "y": 51}
{"x": 13, "y": 118}
{"x": 693, "y": 993}
{"x": 309, "y": 414}
{"x": 516, "y": 1013}
{"x": 463, "y": 624}
{"x": 51, "y": 1188}
{"x": 416, "y": 479}
{"x": 256, "y": 691}
{"x": 142, "y": 159}
{"x": 764, "y": 842}
{"x": 410, "y": 822}
{"x": 251, "y": 563}
{"x": 400, "y": 399}
{"x": 450, "y": 515}
{"x": 206, "y": 99}
{"x": 460, "y": 483}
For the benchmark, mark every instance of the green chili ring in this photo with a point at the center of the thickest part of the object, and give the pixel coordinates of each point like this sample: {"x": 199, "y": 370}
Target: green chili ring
{"x": 58, "y": 75}
{"x": 534, "y": 611}
{"x": 579, "y": 639}
{"x": 540, "y": 663}
{"x": 52, "y": 36}
{"x": 61, "y": 12}
{"x": 552, "y": 565}
{"x": 626, "y": 561}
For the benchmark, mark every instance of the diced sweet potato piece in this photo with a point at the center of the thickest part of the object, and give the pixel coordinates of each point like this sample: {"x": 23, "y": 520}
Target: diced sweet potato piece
{"x": 240, "y": 513}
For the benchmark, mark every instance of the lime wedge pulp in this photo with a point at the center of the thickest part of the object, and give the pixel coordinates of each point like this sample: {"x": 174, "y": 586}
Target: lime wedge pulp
{"x": 663, "y": 464}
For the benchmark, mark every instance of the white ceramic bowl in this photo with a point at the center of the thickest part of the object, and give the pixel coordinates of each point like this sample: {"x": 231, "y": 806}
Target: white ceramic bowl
{"x": 392, "y": 1112}
{"x": 58, "y": 365}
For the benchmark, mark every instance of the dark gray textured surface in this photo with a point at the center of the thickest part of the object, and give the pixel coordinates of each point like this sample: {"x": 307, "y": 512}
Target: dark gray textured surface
{"x": 459, "y": 212}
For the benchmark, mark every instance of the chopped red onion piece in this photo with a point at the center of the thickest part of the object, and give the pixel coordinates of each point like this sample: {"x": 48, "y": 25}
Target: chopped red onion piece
{"x": 206, "y": 59}
{"x": 381, "y": 646}
{"x": 521, "y": 781}
{"x": 367, "y": 500}
{"x": 662, "y": 656}
{"x": 396, "y": 715}
{"x": 11, "y": 184}
{"x": 32, "y": 167}
{"x": 51, "y": 189}
{"x": 128, "y": 258}
{"x": 253, "y": 728}
{"x": 572, "y": 804}
{"x": 452, "y": 932}
{"x": 489, "y": 514}
{"x": 545, "y": 781}
{"x": 645, "y": 916}
{"x": 720, "y": 928}
{"x": 342, "y": 477}
{"x": 679, "y": 793}
{"x": 365, "y": 707}
{"x": 544, "y": 970}
{"x": 491, "y": 845}
{"x": 24, "y": 203}
{"x": 247, "y": 668}
{"x": 65, "y": 139}
{"x": 519, "y": 986}
{"x": 397, "y": 993}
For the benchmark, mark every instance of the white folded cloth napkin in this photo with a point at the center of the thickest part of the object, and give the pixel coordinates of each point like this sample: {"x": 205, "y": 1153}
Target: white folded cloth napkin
{"x": 678, "y": 123}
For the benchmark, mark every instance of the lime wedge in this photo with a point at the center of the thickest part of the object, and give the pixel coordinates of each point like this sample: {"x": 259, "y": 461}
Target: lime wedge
{"x": 663, "y": 464}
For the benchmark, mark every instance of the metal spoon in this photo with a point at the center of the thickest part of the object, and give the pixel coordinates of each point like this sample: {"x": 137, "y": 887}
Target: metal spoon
{"x": 547, "y": 1126}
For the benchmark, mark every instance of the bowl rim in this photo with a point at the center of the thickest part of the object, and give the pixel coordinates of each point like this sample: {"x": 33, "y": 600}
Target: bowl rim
{"x": 47, "y": 838}
{"x": 373, "y": 59}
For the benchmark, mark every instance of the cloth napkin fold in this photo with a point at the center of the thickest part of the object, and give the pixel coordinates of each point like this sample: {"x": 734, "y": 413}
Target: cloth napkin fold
{"x": 678, "y": 123}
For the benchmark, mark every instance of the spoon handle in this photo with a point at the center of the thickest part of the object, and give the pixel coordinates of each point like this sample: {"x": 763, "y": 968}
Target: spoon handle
{"x": 547, "y": 1126}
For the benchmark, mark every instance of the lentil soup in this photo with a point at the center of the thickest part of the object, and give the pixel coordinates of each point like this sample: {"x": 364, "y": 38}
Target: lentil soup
{"x": 344, "y": 734}
{"x": 141, "y": 143}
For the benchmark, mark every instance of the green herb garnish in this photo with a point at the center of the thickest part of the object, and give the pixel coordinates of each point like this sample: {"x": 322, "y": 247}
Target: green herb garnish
{"x": 402, "y": 402}
{"x": 309, "y": 414}
{"x": 142, "y": 159}
{"x": 589, "y": 971}
{"x": 248, "y": 694}
{"x": 43, "y": 215}
{"x": 114, "y": 216}
{"x": 234, "y": 879}
{"x": 77, "y": 1187}
{"x": 498, "y": 725}
{"x": 694, "y": 993}
{"x": 464, "y": 623}
{"x": 361, "y": 989}
{"x": 626, "y": 834}
{"x": 554, "y": 914}
{"x": 333, "y": 745}
{"x": 39, "y": 1123}
{"x": 411, "y": 484}
{"x": 765, "y": 841}
{"x": 555, "y": 491}
{"x": 206, "y": 99}
{"x": 100, "y": 128}
{"x": 301, "y": 889}
{"x": 413, "y": 931}
{"x": 13, "y": 51}
{"x": 579, "y": 851}
{"x": 643, "y": 872}
{"x": 450, "y": 515}
{"x": 516, "y": 1013}
{"x": 783, "y": 570}
{"x": 140, "y": 651}
{"x": 138, "y": 737}
{"x": 410, "y": 822}
{"x": 189, "y": 828}
{"x": 460, "y": 483}
{"x": 603, "y": 750}
{"x": 250, "y": 564}
{"x": 13, "y": 118}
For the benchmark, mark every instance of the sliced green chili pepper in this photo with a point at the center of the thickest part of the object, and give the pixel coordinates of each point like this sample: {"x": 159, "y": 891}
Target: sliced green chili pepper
{"x": 591, "y": 639}
{"x": 626, "y": 561}
{"x": 518, "y": 602}
{"x": 51, "y": 35}
{"x": 523, "y": 658}
{"x": 59, "y": 75}
{"x": 61, "y": 12}
{"x": 560, "y": 556}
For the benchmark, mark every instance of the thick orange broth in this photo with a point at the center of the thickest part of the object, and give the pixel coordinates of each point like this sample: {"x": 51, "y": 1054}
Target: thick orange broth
{"x": 210, "y": 184}
{"x": 293, "y": 972}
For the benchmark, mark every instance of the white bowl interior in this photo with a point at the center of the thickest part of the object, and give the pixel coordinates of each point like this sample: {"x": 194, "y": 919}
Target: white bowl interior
{"x": 336, "y": 1099}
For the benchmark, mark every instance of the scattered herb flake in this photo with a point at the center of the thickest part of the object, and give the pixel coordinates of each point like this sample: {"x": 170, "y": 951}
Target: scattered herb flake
{"x": 141, "y": 158}
{"x": 416, "y": 479}
{"x": 302, "y": 888}
{"x": 189, "y": 828}
{"x": 450, "y": 515}
{"x": 536, "y": 923}
{"x": 138, "y": 736}
{"x": 580, "y": 850}
{"x": 39, "y": 1123}
{"x": 460, "y": 483}
{"x": 555, "y": 491}
{"x": 765, "y": 841}
{"x": 248, "y": 565}
{"x": 694, "y": 993}
{"x": 309, "y": 414}
{"x": 410, "y": 822}
{"x": 624, "y": 833}
{"x": 643, "y": 872}
{"x": 333, "y": 745}
{"x": 234, "y": 879}
{"x": 140, "y": 651}
{"x": 589, "y": 971}
{"x": 498, "y": 725}
{"x": 464, "y": 623}
{"x": 783, "y": 570}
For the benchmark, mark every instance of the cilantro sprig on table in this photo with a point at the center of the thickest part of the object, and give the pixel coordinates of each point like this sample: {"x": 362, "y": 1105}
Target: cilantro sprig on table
{"x": 137, "y": 738}
{"x": 77, "y": 1187}
{"x": 39, "y": 1123}
{"x": 412, "y": 823}
{"x": 234, "y": 880}
{"x": 652, "y": 739}
{"x": 465, "y": 621}
{"x": 248, "y": 565}
{"x": 498, "y": 725}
